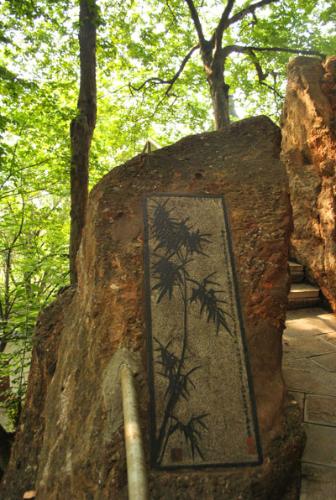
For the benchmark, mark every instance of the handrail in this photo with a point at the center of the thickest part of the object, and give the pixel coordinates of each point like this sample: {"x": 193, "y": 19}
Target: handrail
{"x": 136, "y": 466}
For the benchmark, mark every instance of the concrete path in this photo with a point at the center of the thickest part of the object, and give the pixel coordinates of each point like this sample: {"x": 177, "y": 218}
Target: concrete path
{"x": 310, "y": 373}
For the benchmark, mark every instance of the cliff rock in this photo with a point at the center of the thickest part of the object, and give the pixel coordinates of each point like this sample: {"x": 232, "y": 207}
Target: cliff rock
{"x": 309, "y": 153}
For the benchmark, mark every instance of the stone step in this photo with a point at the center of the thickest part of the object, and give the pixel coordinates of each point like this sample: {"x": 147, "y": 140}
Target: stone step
{"x": 295, "y": 266}
{"x": 304, "y": 290}
{"x": 303, "y": 295}
{"x": 296, "y": 272}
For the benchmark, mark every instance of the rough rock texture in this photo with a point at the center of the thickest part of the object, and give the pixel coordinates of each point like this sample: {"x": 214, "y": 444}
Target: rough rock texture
{"x": 70, "y": 443}
{"x": 6, "y": 440}
{"x": 309, "y": 152}
{"x": 25, "y": 453}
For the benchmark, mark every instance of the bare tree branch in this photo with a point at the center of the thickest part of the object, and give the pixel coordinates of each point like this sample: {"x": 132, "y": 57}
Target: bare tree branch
{"x": 250, "y": 51}
{"x": 181, "y": 68}
{"x": 243, "y": 50}
{"x": 261, "y": 75}
{"x": 160, "y": 81}
{"x": 248, "y": 10}
{"x": 255, "y": 19}
{"x": 197, "y": 22}
{"x": 217, "y": 37}
{"x": 154, "y": 79}
{"x": 171, "y": 11}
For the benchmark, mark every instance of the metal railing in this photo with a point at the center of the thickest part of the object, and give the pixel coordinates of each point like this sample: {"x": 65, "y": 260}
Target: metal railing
{"x": 135, "y": 457}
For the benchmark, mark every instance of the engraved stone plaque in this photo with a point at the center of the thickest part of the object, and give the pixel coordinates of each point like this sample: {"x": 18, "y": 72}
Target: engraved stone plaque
{"x": 202, "y": 406}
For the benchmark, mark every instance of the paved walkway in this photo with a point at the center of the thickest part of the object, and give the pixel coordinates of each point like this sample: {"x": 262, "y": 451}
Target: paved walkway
{"x": 310, "y": 373}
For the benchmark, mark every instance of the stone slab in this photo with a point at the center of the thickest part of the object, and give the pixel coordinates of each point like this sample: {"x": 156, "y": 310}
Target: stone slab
{"x": 329, "y": 337}
{"x": 326, "y": 361}
{"x": 296, "y": 278}
{"x": 299, "y": 322}
{"x": 294, "y": 304}
{"x": 300, "y": 291}
{"x": 294, "y": 266}
{"x": 202, "y": 404}
{"x": 313, "y": 381}
{"x": 296, "y": 272}
{"x": 320, "y": 410}
{"x": 320, "y": 447}
{"x": 312, "y": 312}
{"x": 307, "y": 346}
{"x": 299, "y": 363}
{"x": 318, "y": 482}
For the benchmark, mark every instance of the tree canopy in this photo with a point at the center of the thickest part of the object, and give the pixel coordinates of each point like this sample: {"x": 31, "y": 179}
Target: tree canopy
{"x": 150, "y": 83}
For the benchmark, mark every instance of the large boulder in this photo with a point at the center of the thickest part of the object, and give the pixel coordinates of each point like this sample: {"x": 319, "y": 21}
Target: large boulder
{"x": 70, "y": 442}
{"x": 309, "y": 153}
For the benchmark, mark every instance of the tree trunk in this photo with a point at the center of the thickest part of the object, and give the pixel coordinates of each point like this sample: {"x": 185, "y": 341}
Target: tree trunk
{"x": 219, "y": 90}
{"x": 220, "y": 101}
{"x": 6, "y": 306}
{"x": 82, "y": 127}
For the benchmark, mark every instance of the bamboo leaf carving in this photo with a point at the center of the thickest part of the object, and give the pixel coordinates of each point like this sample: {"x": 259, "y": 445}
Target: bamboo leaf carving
{"x": 206, "y": 295}
{"x": 176, "y": 242}
{"x": 172, "y": 235}
{"x": 191, "y": 432}
{"x": 168, "y": 274}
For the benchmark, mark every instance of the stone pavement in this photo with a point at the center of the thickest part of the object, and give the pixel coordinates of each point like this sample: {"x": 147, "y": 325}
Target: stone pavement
{"x": 309, "y": 364}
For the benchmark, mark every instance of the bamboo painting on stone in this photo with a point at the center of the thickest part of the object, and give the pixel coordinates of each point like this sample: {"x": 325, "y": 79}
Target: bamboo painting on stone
{"x": 202, "y": 405}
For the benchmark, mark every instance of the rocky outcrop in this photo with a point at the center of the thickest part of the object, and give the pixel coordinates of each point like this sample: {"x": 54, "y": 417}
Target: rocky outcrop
{"x": 6, "y": 439}
{"x": 70, "y": 443}
{"x": 309, "y": 152}
{"x": 22, "y": 472}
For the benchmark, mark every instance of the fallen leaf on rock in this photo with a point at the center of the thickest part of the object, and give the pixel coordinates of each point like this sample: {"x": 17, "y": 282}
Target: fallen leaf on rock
{"x": 29, "y": 494}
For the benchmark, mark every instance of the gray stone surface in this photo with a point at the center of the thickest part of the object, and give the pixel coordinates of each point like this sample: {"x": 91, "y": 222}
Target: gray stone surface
{"x": 303, "y": 290}
{"x": 307, "y": 345}
{"x": 320, "y": 410}
{"x": 307, "y": 371}
{"x": 312, "y": 381}
{"x": 307, "y": 322}
{"x": 321, "y": 445}
{"x": 296, "y": 363}
{"x": 329, "y": 337}
{"x": 314, "y": 312}
{"x": 327, "y": 361}
{"x": 318, "y": 482}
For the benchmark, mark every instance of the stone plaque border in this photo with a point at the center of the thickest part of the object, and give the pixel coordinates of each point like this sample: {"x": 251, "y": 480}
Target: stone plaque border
{"x": 149, "y": 342}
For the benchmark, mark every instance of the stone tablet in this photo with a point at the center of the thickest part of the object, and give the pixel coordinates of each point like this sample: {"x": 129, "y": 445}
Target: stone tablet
{"x": 202, "y": 404}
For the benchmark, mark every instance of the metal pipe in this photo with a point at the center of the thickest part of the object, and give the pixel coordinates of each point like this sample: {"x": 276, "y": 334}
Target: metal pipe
{"x": 136, "y": 467}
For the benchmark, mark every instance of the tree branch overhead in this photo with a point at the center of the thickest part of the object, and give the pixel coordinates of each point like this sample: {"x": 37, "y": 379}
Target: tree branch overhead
{"x": 196, "y": 21}
{"x": 217, "y": 36}
{"x": 226, "y": 51}
{"x": 170, "y": 81}
{"x": 249, "y": 10}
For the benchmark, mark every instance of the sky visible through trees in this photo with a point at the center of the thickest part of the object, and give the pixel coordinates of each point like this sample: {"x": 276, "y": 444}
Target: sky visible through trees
{"x": 140, "y": 45}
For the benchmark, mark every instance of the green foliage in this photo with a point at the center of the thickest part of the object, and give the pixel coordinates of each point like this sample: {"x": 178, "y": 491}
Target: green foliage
{"x": 137, "y": 40}
{"x": 35, "y": 115}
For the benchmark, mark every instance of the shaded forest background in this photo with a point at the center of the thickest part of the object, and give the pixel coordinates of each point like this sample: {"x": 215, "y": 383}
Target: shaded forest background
{"x": 150, "y": 84}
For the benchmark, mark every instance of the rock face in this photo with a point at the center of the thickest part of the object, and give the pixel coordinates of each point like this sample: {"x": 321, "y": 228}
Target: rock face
{"x": 70, "y": 442}
{"x": 309, "y": 152}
